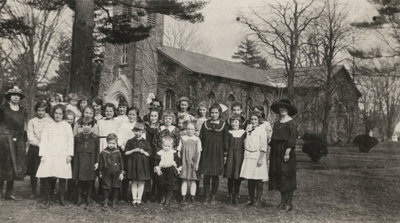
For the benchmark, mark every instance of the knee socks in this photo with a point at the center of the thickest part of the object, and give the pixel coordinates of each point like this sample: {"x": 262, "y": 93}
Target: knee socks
{"x": 193, "y": 188}
{"x": 184, "y": 187}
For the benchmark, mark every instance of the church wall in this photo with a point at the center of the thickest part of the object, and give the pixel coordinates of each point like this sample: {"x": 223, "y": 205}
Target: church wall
{"x": 200, "y": 87}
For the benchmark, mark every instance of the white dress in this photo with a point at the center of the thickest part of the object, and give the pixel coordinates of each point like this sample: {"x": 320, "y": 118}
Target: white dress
{"x": 56, "y": 144}
{"x": 35, "y": 129}
{"x": 254, "y": 144}
{"x": 125, "y": 132}
{"x": 107, "y": 126}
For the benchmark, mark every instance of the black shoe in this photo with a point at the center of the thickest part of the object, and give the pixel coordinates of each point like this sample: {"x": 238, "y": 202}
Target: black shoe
{"x": 62, "y": 201}
{"x": 191, "y": 199}
{"x": 183, "y": 201}
{"x": 79, "y": 200}
{"x": 235, "y": 199}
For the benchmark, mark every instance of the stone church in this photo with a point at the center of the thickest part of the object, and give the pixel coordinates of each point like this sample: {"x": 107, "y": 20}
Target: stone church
{"x": 132, "y": 71}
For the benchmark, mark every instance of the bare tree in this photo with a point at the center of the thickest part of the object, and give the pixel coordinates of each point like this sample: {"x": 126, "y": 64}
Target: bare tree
{"x": 381, "y": 87}
{"x": 185, "y": 36}
{"x": 33, "y": 54}
{"x": 282, "y": 32}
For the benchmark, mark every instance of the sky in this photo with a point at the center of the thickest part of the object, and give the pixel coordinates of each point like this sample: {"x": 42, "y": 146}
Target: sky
{"x": 221, "y": 33}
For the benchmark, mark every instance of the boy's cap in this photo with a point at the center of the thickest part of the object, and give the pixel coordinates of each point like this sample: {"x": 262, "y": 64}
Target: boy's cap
{"x": 138, "y": 126}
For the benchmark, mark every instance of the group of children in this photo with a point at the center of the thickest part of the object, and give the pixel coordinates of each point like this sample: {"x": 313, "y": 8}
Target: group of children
{"x": 82, "y": 143}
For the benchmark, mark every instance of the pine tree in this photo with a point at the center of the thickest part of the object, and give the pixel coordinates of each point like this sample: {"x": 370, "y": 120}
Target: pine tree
{"x": 115, "y": 29}
{"x": 249, "y": 54}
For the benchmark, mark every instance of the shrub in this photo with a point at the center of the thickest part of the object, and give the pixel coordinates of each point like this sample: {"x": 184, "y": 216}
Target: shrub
{"x": 365, "y": 142}
{"x": 314, "y": 146}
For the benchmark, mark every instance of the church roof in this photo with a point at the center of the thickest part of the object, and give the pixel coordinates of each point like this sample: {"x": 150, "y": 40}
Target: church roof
{"x": 273, "y": 77}
{"x": 203, "y": 64}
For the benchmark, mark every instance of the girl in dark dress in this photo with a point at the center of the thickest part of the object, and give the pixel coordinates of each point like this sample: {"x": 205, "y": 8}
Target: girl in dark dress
{"x": 86, "y": 159}
{"x": 137, "y": 153}
{"x": 212, "y": 135}
{"x": 152, "y": 127}
{"x": 234, "y": 145}
{"x": 34, "y": 133}
{"x": 282, "y": 172}
{"x": 12, "y": 143}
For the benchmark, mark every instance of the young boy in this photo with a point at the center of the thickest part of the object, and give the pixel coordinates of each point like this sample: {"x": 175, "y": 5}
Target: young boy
{"x": 237, "y": 110}
{"x": 167, "y": 163}
{"x": 86, "y": 160}
{"x": 111, "y": 169}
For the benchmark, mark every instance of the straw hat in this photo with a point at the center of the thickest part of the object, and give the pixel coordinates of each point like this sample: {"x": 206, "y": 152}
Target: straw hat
{"x": 14, "y": 90}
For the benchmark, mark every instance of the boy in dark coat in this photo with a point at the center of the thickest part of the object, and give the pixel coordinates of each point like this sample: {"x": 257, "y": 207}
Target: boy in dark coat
{"x": 86, "y": 160}
{"x": 111, "y": 169}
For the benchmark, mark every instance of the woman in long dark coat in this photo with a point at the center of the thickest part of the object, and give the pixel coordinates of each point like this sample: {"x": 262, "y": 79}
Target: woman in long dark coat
{"x": 12, "y": 141}
{"x": 282, "y": 172}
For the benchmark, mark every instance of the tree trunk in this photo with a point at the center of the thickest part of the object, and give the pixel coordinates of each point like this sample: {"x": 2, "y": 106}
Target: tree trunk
{"x": 82, "y": 49}
{"x": 290, "y": 85}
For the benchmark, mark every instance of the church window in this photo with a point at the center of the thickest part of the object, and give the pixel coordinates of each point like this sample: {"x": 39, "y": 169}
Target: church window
{"x": 124, "y": 54}
{"x": 249, "y": 106}
{"x": 169, "y": 100}
{"x": 266, "y": 108}
{"x": 151, "y": 19}
{"x": 231, "y": 100}
{"x": 126, "y": 11}
{"x": 211, "y": 98}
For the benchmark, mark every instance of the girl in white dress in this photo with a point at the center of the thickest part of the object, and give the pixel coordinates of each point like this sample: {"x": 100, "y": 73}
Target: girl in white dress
{"x": 108, "y": 124}
{"x": 254, "y": 167}
{"x": 56, "y": 149}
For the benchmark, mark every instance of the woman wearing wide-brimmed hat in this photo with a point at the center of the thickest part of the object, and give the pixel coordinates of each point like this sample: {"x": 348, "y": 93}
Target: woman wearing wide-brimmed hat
{"x": 282, "y": 170}
{"x": 12, "y": 143}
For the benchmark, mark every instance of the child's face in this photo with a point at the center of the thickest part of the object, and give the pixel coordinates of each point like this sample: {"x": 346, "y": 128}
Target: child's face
{"x": 202, "y": 112}
{"x": 70, "y": 119}
{"x": 254, "y": 120}
{"x": 155, "y": 104}
{"x": 132, "y": 116}
{"x": 112, "y": 144}
{"x": 109, "y": 112}
{"x": 167, "y": 120}
{"x": 184, "y": 105}
{"x": 73, "y": 102}
{"x": 87, "y": 128}
{"x": 214, "y": 113}
{"x": 138, "y": 133}
{"x": 167, "y": 146}
{"x": 97, "y": 108}
{"x": 58, "y": 115}
{"x": 41, "y": 112}
{"x": 180, "y": 123}
{"x": 83, "y": 104}
{"x": 88, "y": 113}
{"x": 235, "y": 124}
{"x": 154, "y": 117}
{"x": 122, "y": 110}
{"x": 237, "y": 110}
{"x": 190, "y": 129}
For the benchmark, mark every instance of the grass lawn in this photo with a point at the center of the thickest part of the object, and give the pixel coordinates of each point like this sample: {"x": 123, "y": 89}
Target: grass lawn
{"x": 346, "y": 186}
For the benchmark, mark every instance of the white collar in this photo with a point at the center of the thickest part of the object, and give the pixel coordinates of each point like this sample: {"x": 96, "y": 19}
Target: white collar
{"x": 170, "y": 128}
{"x": 286, "y": 119}
{"x": 237, "y": 133}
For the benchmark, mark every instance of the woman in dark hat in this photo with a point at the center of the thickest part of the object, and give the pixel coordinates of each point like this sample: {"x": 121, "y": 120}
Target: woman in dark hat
{"x": 12, "y": 143}
{"x": 282, "y": 171}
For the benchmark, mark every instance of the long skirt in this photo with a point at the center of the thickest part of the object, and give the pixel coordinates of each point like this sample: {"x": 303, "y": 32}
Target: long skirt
{"x": 32, "y": 160}
{"x": 282, "y": 175}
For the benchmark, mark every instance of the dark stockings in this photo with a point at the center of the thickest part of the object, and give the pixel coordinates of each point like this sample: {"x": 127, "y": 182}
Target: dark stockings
{"x": 213, "y": 182}
{"x": 85, "y": 188}
{"x": 49, "y": 187}
{"x": 9, "y": 187}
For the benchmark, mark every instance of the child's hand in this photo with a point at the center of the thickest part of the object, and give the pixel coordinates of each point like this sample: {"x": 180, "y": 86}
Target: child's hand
{"x": 100, "y": 175}
{"x": 121, "y": 176}
{"x": 197, "y": 168}
{"x": 259, "y": 162}
{"x": 69, "y": 158}
{"x": 43, "y": 160}
{"x": 286, "y": 157}
{"x": 96, "y": 165}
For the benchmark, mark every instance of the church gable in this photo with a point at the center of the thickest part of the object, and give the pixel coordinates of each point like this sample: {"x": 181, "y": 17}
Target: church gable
{"x": 121, "y": 89}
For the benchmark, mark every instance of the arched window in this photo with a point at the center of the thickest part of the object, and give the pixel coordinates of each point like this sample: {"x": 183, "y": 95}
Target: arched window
{"x": 169, "y": 101}
{"x": 211, "y": 98}
{"x": 266, "y": 108}
{"x": 249, "y": 107}
{"x": 231, "y": 100}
